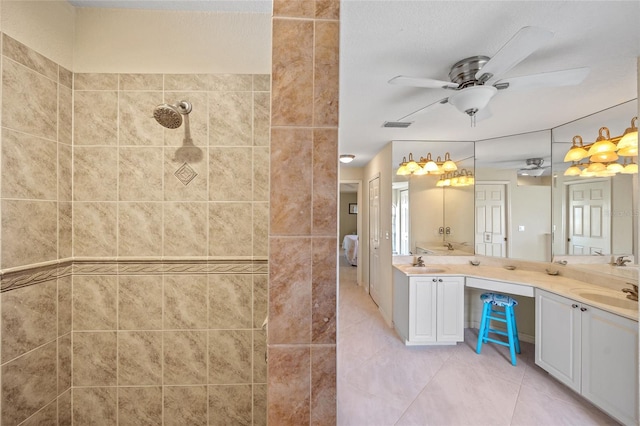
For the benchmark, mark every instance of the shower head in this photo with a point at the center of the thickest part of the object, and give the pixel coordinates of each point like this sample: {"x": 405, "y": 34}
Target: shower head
{"x": 170, "y": 116}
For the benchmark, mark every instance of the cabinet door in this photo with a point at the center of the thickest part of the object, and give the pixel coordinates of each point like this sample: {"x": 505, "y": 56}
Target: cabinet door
{"x": 450, "y": 309}
{"x": 558, "y": 342}
{"x": 610, "y": 363}
{"x": 422, "y": 309}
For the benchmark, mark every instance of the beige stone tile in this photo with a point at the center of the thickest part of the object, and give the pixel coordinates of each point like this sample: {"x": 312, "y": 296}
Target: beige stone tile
{"x": 230, "y": 355}
{"x": 323, "y": 385}
{"x": 141, "y": 81}
{"x": 326, "y": 73}
{"x": 289, "y": 385}
{"x": 260, "y": 405}
{"x": 29, "y": 232}
{"x": 260, "y": 285}
{"x": 94, "y": 229}
{"x": 139, "y": 406}
{"x": 325, "y": 178}
{"x": 324, "y": 291}
{"x": 292, "y": 65}
{"x": 65, "y": 77}
{"x": 195, "y": 174}
{"x": 186, "y": 82}
{"x": 184, "y": 304}
{"x": 95, "y": 302}
{"x": 261, "y": 118}
{"x": 328, "y": 9}
{"x": 29, "y": 169}
{"x": 291, "y": 205}
{"x": 140, "y": 229}
{"x": 230, "y": 405}
{"x": 137, "y": 125}
{"x": 37, "y": 97}
{"x": 95, "y": 118}
{"x": 140, "y": 302}
{"x": 261, "y": 82}
{"x": 28, "y": 383}
{"x": 198, "y": 118}
{"x": 95, "y": 81}
{"x": 65, "y": 230}
{"x": 185, "y": 405}
{"x": 183, "y": 225}
{"x": 64, "y": 305}
{"x": 260, "y": 174}
{"x": 259, "y": 356}
{"x": 294, "y": 8}
{"x": 230, "y": 174}
{"x": 140, "y": 174}
{"x": 230, "y": 301}
{"x": 261, "y": 229}
{"x": 230, "y": 82}
{"x": 96, "y": 406}
{"x": 139, "y": 358}
{"x": 46, "y": 416}
{"x": 64, "y": 363}
{"x": 230, "y": 121}
{"x": 22, "y": 54}
{"x": 28, "y": 318}
{"x": 185, "y": 357}
{"x": 64, "y": 409}
{"x": 65, "y": 115}
{"x": 65, "y": 172}
{"x": 95, "y": 173}
{"x": 290, "y": 290}
{"x": 229, "y": 229}
{"x": 95, "y": 358}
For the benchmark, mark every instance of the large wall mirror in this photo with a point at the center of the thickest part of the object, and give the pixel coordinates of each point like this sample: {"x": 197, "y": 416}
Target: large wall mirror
{"x": 513, "y": 196}
{"x": 433, "y": 214}
{"x": 596, "y": 214}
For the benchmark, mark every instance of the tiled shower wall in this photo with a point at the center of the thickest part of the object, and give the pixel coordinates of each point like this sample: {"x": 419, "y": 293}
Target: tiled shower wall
{"x": 154, "y": 313}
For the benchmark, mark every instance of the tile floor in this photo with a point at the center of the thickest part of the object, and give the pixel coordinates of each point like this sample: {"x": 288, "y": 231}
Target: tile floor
{"x": 382, "y": 382}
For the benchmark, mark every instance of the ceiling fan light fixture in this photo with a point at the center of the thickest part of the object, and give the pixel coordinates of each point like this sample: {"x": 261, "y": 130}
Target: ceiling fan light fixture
{"x": 472, "y": 99}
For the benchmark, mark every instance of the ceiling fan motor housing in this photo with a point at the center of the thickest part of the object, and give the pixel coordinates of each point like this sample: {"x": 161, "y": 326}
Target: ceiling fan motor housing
{"x": 464, "y": 72}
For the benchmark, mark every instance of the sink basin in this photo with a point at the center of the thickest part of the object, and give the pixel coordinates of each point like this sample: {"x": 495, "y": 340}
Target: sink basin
{"x": 422, "y": 270}
{"x": 607, "y": 298}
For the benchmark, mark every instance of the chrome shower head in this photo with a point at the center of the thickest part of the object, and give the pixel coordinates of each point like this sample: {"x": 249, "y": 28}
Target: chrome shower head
{"x": 170, "y": 116}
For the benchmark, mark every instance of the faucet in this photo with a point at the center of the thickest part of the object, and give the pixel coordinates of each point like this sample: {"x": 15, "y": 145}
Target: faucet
{"x": 449, "y": 246}
{"x": 633, "y": 293}
{"x": 621, "y": 261}
{"x": 419, "y": 261}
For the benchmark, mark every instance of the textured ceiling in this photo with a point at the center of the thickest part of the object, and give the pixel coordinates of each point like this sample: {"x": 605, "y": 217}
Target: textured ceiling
{"x": 382, "y": 39}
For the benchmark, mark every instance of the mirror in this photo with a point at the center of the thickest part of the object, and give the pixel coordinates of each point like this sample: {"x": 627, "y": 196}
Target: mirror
{"x": 605, "y": 222}
{"x": 513, "y": 196}
{"x": 431, "y": 219}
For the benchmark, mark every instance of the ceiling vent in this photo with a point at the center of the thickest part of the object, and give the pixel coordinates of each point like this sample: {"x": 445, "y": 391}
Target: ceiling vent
{"x": 397, "y": 124}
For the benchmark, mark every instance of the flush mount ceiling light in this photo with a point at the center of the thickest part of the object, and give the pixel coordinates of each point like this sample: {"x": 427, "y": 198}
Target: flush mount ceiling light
{"x": 347, "y": 158}
{"x": 426, "y": 166}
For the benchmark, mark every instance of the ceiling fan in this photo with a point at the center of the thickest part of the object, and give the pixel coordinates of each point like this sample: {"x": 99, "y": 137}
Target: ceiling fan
{"x": 536, "y": 170}
{"x": 475, "y": 80}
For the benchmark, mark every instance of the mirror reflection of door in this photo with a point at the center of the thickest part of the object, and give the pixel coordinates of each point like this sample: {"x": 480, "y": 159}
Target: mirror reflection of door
{"x": 589, "y": 223}
{"x": 491, "y": 218}
{"x": 404, "y": 221}
{"x": 374, "y": 239}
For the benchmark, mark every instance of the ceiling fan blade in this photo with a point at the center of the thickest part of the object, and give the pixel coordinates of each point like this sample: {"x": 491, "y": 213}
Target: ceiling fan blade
{"x": 441, "y": 101}
{"x": 427, "y": 83}
{"x": 526, "y": 41}
{"x": 570, "y": 77}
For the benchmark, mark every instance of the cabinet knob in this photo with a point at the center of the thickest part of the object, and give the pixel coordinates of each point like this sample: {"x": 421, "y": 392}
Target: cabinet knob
{"x": 574, "y": 306}
{"x": 434, "y": 280}
{"x": 440, "y": 280}
{"x": 583, "y": 309}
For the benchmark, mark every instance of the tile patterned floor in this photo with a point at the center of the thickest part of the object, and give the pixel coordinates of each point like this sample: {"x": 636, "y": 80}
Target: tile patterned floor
{"x": 382, "y": 382}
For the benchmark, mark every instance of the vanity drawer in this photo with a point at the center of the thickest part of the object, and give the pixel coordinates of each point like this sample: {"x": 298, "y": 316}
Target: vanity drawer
{"x": 500, "y": 286}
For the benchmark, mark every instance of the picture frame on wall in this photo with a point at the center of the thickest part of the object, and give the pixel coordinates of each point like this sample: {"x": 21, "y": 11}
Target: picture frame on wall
{"x": 353, "y": 208}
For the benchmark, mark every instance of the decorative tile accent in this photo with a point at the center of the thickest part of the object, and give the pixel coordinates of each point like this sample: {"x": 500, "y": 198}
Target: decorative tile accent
{"x": 185, "y": 174}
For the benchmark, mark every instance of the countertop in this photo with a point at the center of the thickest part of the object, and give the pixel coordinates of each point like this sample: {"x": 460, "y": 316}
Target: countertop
{"x": 561, "y": 285}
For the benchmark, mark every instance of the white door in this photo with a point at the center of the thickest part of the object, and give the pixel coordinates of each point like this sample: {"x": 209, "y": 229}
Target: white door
{"x": 589, "y": 219}
{"x": 374, "y": 239}
{"x": 491, "y": 220}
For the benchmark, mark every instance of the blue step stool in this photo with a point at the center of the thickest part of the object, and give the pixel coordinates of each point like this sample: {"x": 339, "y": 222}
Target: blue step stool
{"x": 499, "y": 307}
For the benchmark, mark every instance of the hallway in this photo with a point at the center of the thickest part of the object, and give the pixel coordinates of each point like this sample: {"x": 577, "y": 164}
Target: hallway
{"x": 382, "y": 382}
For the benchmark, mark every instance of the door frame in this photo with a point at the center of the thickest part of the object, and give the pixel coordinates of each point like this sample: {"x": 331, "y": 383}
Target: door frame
{"x": 507, "y": 192}
{"x": 358, "y": 226}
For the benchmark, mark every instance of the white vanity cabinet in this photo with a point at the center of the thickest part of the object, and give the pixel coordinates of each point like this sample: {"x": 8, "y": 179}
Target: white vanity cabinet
{"x": 428, "y": 310}
{"x": 592, "y": 351}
